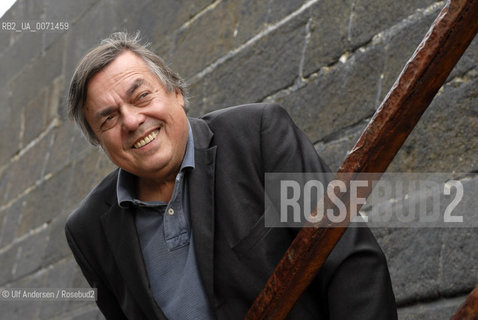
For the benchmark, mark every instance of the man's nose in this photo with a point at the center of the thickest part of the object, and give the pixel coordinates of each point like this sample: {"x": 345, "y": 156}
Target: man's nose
{"x": 131, "y": 118}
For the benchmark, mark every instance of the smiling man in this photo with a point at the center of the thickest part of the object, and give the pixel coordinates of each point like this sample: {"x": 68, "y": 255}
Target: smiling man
{"x": 142, "y": 128}
{"x": 177, "y": 231}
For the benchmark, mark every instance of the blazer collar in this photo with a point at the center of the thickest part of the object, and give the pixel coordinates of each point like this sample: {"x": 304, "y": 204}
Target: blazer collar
{"x": 201, "y": 203}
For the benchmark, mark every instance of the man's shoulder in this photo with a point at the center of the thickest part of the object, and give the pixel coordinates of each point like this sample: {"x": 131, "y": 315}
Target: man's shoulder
{"x": 243, "y": 117}
{"x": 98, "y": 199}
{"x": 242, "y": 112}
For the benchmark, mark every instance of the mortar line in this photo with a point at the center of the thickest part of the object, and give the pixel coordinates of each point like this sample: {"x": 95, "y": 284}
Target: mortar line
{"x": 39, "y": 271}
{"x": 464, "y": 77}
{"x": 250, "y": 42}
{"x": 304, "y": 49}
{"x": 53, "y": 124}
{"x": 30, "y": 233}
{"x": 198, "y": 15}
{"x": 26, "y": 191}
{"x": 379, "y": 38}
{"x": 432, "y": 299}
{"x": 349, "y": 26}
{"x": 418, "y": 15}
{"x": 22, "y": 130}
{"x": 43, "y": 179}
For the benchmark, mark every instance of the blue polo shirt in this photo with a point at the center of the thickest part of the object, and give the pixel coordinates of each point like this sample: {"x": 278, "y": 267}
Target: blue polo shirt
{"x": 166, "y": 240}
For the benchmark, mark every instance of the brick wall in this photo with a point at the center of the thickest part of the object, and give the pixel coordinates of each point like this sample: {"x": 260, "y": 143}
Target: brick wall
{"x": 328, "y": 62}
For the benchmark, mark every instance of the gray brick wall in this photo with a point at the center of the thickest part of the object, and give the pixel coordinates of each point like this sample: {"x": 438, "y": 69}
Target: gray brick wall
{"x": 328, "y": 62}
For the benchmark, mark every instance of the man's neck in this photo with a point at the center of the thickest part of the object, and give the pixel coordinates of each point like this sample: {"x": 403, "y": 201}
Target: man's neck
{"x": 153, "y": 190}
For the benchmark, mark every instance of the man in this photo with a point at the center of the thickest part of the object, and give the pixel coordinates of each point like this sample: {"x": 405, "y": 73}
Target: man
{"x": 178, "y": 230}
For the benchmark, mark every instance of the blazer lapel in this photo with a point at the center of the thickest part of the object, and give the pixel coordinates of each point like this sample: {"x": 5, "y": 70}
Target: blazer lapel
{"x": 120, "y": 229}
{"x": 201, "y": 202}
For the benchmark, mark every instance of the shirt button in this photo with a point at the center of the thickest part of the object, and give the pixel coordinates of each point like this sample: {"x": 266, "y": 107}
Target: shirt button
{"x": 170, "y": 211}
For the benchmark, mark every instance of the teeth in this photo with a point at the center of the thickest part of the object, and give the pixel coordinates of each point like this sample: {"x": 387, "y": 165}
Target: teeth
{"x": 146, "y": 140}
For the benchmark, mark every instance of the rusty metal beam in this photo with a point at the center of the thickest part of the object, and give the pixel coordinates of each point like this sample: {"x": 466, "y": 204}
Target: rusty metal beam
{"x": 415, "y": 88}
{"x": 469, "y": 309}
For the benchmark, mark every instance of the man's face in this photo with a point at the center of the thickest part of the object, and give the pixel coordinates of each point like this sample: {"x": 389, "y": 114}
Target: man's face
{"x": 142, "y": 128}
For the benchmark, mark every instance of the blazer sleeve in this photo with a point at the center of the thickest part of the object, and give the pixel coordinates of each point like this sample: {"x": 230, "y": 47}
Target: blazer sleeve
{"x": 106, "y": 301}
{"x": 354, "y": 280}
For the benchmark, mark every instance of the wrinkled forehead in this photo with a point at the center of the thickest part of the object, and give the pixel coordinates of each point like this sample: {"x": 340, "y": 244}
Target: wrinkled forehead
{"x": 121, "y": 77}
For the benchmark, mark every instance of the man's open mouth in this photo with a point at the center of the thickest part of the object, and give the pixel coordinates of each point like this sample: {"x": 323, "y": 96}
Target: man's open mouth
{"x": 146, "y": 140}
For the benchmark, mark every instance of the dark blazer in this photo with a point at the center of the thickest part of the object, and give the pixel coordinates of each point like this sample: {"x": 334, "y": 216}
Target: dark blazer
{"x": 236, "y": 254}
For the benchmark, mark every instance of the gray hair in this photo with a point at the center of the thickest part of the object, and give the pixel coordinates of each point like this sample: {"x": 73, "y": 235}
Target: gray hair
{"x": 98, "y": 58}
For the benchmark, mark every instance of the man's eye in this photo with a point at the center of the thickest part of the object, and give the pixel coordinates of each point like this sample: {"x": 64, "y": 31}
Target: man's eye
{"x": 144, "y": 94}
{"x": 108, "y": 122}
{"x": 109, "y": 118}
{"x": 143, "y": 99}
